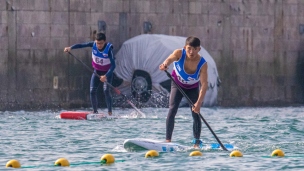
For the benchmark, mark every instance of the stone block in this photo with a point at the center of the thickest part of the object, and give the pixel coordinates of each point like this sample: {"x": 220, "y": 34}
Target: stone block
{"x": 25, "y": 29}
{"x": 31, "y": 4}
{"x": 97, "y": 5}
{"x": 28, "y": 75}
{"x": 96, "y": 16}
{"x": 265, "y": 55}
{"x": 55, "y": 56}
{"x": 215, "y": 32}
{"x": 80, "y": 5}
{"x": 163, "y": 7}
{"x": 214, "y": 20}
{"x": 60, "y": 30}
{"x": 61, "y": 18}
{"x": 291, "y": 33}
{"x": 3, "y": 17}
{"x": 24, "y": 17}
{"x": 3, "y": 98}
{"x": 197, "y": 20}
{"x": 262, "y": 32}
{"x": 42, "y": 5}
{"x": 263, "y": 21}
{"x": 199, "y": 32}
{"x": 3, "y": 5}
{"x": 3, "y": 55}
{"x": 40, "y": 17}
{"x": 57, "y": 43}
{"x": 78, "y": 98}
{"x": 114, "y": 5}
{"x": 195, "y": 7}
{"x": 141, "y": 6}
{"x": 240, "y": 44}
{"x": 40, "y": 43}
{"x": 126, "y": 6}
{"x": 287, "y": 2}
{"x": 262, "y": 44}
{"x": 235, "y": 20}
{"x": 78, "y": 18}
{"x": 236, "y": 8}
{"x": 32, "y": 17}
{"x": 251, "y": 9}
{"x": 215, "y": 8}
{"x": 19, "y": 5}
{"x": 3, "y": 43}
{"x": 81, "y": 30}
{"x": 215, "y": 44}
{"x": 239, "y": 55}
{"x": 41, "y": 30}
{"x": 291, "y": 45}
{"x": 24, "y": 56}
{"x": 59, "y": 5}
{"x": 3, "y": 76}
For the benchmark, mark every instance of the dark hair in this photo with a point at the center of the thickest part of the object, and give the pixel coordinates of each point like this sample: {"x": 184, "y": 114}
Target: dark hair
{"x": 100, "y": 36}
{"x": 193, "y": 41}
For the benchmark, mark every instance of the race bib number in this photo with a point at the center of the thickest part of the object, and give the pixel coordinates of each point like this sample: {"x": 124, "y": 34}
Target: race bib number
{"x": 99, "y": 61}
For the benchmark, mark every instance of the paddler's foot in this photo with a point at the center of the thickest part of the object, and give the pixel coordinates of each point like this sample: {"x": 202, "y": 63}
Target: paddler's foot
{"x": 95, "y": 112}
{"x": 196, "y": 146}
{"x": 110, "y": 113}
{"x": 168, "y": 140}
{"x": 197, "y": 143}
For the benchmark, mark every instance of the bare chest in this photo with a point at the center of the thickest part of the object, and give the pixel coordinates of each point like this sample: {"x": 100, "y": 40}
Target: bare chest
{"x": 190, "y": 66}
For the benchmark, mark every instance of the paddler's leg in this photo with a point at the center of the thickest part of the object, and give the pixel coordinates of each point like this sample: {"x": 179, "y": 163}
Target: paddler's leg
{"x": 108, "y": 95}
{"x": 174, "y": 101}
{"x": 197, "y": 123}
{"x": 94, "y": 84}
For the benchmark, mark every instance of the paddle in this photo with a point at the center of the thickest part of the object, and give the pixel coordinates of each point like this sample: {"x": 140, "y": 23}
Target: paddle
{"x": 115, "y": 89}
{"x": 180, "y": 89}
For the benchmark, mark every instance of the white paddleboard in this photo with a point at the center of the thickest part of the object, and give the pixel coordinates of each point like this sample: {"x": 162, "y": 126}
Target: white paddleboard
{"x": 161, "y": 146}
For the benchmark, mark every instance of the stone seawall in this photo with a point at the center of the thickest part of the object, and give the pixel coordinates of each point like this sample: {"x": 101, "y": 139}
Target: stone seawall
{"x": 256, "y": 44}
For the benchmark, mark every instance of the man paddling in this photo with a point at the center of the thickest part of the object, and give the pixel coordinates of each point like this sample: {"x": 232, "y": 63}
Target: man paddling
{"x": 104, "y": 64}
{"x": 190, "y": 73}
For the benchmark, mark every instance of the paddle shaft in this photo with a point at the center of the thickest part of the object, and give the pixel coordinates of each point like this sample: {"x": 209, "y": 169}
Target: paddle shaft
{"x": 180, "y": 89}
{"x": 110, "y": 85}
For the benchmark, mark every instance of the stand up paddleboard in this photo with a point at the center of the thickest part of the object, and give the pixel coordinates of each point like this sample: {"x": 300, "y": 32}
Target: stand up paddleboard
{"x": 138, "y": 144}
{"x": 84, "y": 115}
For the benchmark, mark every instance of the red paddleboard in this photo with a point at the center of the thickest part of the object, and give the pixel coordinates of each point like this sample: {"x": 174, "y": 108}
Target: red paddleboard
{"x": 79, "y": 115}
{"x": 84, "y": 115}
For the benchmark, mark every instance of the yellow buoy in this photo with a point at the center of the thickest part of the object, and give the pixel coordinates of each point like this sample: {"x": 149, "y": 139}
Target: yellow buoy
{"x": 236, "y": 153}
{"x": 107, "y": 158}
{"x": 278, "y": 153}
{"x": 13, "y": 163}
{"x": 152, "y": 153}
{"x": 196, "y": 153}
{"x": 62, "y": 162}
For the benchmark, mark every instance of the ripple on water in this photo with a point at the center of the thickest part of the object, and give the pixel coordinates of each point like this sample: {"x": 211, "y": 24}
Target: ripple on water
{"x": 39, "y": 138}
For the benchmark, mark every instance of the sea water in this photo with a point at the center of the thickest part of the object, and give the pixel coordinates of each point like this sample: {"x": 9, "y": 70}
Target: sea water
{"x": 38, "y": 139}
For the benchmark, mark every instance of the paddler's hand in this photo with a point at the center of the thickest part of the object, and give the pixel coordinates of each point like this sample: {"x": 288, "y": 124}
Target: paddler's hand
{"x": 163, "y": 66}
{"x": 196, "y": 108}
{"x": 67, "y": 49}
{"x": 103, "y": 78}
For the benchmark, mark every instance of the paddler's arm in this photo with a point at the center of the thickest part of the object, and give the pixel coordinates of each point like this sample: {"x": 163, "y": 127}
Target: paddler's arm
{"x": 173, "y": 57}
{"x": 80, "y": 45}
{"x": 203, "y": 89}
{"x": 103, "y": 78}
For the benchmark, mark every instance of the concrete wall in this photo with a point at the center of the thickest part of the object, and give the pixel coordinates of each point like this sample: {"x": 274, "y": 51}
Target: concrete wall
{"x": 257, "y": 45}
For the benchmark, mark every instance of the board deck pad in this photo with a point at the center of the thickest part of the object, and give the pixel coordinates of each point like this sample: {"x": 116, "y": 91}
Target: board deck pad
{"x": 139, "y": 144}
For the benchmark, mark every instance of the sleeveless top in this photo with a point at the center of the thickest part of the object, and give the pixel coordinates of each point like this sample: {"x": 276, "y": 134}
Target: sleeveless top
{"x": 101, "y": 61}
{"x": 183, "y": 79}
